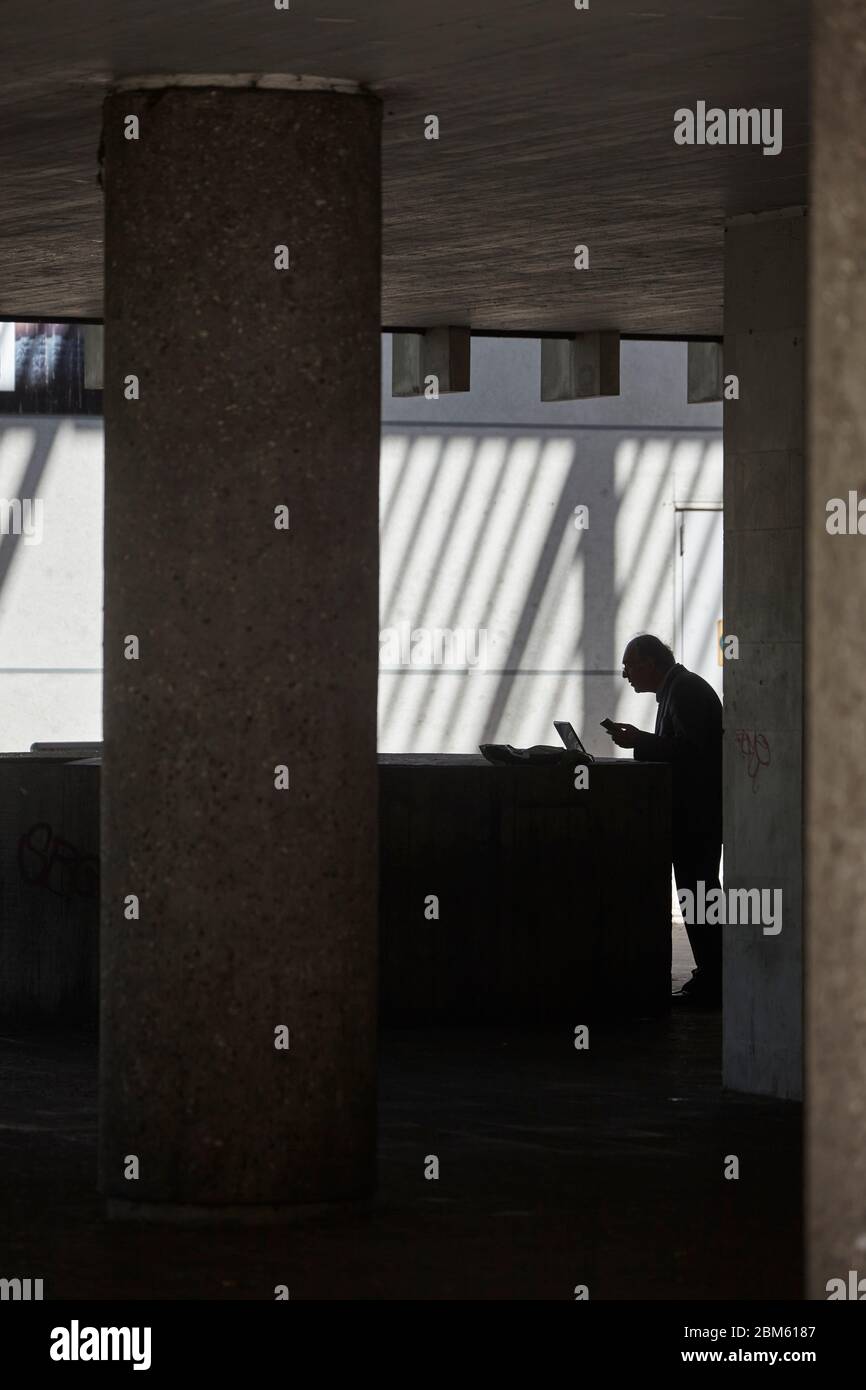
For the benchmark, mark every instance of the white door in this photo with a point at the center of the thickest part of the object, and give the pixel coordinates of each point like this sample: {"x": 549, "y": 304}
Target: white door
{"x": 699, "y": 592}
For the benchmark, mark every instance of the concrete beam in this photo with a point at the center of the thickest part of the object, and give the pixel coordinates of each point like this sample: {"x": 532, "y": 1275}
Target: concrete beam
{"x": 94, "y": 339}
{"x": 433, "y": 362}
{"x": 704, "y": 373}
{"x": 578, "y": 367}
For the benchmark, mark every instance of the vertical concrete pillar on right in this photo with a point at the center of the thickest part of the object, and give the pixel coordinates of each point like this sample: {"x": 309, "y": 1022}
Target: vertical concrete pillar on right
{"x": 764, "y": 350}
{"x": 836, "y": 655}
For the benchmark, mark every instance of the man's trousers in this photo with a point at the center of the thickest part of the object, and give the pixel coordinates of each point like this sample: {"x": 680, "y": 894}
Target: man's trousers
{"x": 696, "y": 857}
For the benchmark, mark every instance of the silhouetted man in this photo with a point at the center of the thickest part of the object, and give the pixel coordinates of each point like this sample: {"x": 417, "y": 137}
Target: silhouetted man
{"x": 688, "y": 735}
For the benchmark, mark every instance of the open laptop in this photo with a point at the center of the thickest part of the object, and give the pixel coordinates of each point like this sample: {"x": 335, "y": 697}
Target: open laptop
{"x": 570, "y": 739}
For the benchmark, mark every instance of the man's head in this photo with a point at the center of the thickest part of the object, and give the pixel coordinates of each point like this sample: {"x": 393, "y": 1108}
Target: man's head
{"x": 645, "y": 663}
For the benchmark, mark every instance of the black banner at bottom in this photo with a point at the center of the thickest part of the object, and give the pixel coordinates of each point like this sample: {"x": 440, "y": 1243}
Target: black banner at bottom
{"x": 159, "y": 1339}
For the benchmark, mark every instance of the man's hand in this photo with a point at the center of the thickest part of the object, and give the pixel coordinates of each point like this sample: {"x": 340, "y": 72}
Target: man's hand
{"x": 624, "y": 735}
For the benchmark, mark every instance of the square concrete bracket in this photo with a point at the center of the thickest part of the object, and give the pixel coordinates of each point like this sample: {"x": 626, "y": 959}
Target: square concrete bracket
{"x": 94, "y": 338}
{"x": 705, "y": 372}
{"x": 442, "y": 353}
{"x": 574, "y": 368}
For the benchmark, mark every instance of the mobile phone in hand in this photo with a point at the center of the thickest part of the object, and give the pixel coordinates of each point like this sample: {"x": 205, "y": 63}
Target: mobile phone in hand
{"x": 608, "y": 724}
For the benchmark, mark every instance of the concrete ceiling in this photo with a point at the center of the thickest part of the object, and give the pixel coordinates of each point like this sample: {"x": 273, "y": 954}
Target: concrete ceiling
{"x": 556, "y": 127}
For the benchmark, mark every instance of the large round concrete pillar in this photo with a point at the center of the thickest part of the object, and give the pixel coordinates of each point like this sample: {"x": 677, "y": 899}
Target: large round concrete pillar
{"x": 239, "y": 776}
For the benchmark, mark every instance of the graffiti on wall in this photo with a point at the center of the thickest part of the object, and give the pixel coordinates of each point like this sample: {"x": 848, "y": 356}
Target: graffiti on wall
{"x": 755, "y": 749}
{"x": 46, "y": 860}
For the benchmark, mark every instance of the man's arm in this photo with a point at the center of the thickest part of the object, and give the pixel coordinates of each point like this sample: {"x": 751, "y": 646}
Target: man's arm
{"x": 693, "y": 718}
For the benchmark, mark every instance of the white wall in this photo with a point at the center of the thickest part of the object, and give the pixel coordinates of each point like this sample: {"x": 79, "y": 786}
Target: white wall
{"x": 477, "y": 497}
{"x": 478, "y": 493}
{"x": 51, "y": 591}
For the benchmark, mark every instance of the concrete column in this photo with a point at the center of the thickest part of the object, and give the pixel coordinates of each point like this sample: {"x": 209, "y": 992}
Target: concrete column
{"x": 764, "y": 350}
{"x": 242, "y": 296}
{"x": 836, "y": 656}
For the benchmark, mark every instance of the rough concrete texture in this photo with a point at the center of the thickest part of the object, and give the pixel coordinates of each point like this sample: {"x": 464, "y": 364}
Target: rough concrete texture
{"x": 836, "y": 599}
{"x": 765, "y": 307}
{"x": 258, "y": 387}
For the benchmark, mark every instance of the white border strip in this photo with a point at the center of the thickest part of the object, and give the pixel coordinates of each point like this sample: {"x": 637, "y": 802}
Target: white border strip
{"x": 256, "y": 81}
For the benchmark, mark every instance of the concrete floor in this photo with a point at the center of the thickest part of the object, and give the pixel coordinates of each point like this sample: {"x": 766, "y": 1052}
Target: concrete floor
{"x": 557, "y": 1168}
{"x": 682, "y": 960}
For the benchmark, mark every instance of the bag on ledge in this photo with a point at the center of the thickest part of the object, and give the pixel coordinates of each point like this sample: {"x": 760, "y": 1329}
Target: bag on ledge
{"x": 538, "y": 753}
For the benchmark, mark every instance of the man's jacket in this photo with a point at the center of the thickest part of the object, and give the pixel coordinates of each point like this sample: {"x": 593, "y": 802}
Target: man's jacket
{"x": 688, "y": 735}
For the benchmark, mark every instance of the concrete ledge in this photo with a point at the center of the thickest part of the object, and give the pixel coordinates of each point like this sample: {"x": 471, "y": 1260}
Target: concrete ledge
{"x": 184, "y": 1214}
{"x": 507, "y": 895}
{"x": 253, "y": 81}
